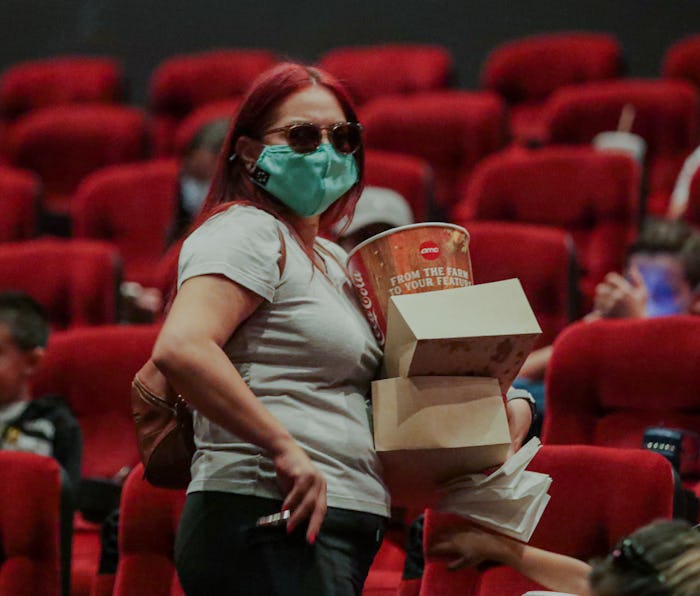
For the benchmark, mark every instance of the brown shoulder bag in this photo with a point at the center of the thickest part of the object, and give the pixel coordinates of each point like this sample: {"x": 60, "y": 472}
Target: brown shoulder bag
{"x": 163, "y": 421}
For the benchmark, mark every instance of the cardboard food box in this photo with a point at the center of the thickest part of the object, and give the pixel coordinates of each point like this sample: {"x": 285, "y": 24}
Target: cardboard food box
{"x": 428, "y": 430}
{"x": 485, "y": 330}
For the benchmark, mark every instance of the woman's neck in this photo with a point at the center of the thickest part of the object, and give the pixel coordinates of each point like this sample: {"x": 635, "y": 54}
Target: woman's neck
{"x": 307, "y": 228}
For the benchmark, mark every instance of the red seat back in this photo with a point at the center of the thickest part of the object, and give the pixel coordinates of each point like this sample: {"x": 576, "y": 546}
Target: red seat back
{"x": 597, "y": 496}
{"x": 391, "y": 69}
{"x": 541, "y": 257}
{"x": 132, "y": 206}
{"x": 182, "y": 83}
{"x": 77, "y": 283}
{"x": 666, "y": 118}
{"x": 682, "y": 60}
{"x": 607, "y": 381}
{"x": 19, "y": 195}
{"x": 531, "y": 68}
{"x": 451, "y": 130}
{"x": 30, "y": 505}
{"x": 692, "y": 214}
{"x": 590, "y": 194}
{"x": 59, "y": 81}
{"x": 148, "y": 522}
{"x": 409, "y": 176}
{"x": 65, "y": 144}
{"x": 92, "y": 369}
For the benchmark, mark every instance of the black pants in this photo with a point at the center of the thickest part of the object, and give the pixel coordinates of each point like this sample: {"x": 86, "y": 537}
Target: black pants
{"x": 219, "y": 550}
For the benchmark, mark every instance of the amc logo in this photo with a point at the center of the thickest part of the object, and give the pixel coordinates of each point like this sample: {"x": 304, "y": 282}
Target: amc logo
{"x": 429, "y": 250}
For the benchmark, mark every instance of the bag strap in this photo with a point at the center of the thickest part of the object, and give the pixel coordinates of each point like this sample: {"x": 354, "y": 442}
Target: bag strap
{"x": 283, "y": 252}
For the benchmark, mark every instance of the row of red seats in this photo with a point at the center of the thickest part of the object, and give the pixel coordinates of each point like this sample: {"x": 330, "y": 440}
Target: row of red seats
{"x": 601, "y": 392}
{"x": 524, "y": 72}
{"x": 451, "y": 130}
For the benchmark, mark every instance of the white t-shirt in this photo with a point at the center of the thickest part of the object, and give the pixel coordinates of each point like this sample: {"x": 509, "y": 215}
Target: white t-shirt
{"x": 307, "y": 353}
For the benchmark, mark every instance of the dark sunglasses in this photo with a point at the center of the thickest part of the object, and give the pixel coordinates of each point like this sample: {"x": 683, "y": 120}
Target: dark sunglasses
{"x": 629, "y": 554}
{"x": 305, "y": 137}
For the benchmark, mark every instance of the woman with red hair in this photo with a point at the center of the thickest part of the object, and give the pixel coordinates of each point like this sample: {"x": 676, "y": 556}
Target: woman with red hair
{"x": 267, "y": 343}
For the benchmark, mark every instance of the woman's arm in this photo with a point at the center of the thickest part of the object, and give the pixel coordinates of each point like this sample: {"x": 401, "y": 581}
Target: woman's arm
{"x": 554, "y": 571}
{"x": 204, "y": 315}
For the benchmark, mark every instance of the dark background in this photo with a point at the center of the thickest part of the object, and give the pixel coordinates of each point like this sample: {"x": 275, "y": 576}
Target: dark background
{"x": 142, "y": 33}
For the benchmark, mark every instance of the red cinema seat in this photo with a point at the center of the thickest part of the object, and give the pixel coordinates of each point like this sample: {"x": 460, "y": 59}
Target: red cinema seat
{"x": 409, "y": 176}
{"x": 224, "y": 109}
{"x": 451, "y": 130}
{"x": 682, "y": 60}
{"x": 20, "y": 192}
{"x": 131, "y": 206}
{"x": 590, "y": 194}
{"x": 391, "y": 69}
{"x": 149, "y": 517}
{"x": 64, "y": 144}
{"x": 598, "y": 496}
{"x": 525, "y": 72}
{"x": 182, "y": 83}
{"x": 30, "y": 504}
{"x": 666, "y": 117}
{"x": 59, "y": 81}
{"x": 609, "y": 380}
{"x": 75, "y": 281}
{"x": 92, "y": 369}
{"x": 542, "y": 258}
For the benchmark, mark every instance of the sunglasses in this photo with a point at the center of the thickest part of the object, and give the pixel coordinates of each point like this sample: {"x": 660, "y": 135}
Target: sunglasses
{"x": 305, "y": 137}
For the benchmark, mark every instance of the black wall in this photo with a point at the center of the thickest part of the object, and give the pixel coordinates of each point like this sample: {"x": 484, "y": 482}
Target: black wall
{"x": 142, "y": 33}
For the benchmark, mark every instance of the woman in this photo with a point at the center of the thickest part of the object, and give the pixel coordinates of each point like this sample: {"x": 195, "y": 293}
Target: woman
{"x": 266, "y": 341}
{"x": 660, "y": 559}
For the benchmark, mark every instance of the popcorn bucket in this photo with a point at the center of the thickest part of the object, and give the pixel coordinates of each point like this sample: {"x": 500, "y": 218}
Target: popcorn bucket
{"x": 408, "y": 260}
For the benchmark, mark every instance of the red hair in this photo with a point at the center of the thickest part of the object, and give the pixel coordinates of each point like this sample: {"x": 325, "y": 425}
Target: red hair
{"x": 232, "y": 184}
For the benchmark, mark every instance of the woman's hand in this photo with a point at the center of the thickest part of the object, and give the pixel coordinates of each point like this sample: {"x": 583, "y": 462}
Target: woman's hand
{"x": 304, "y": 487}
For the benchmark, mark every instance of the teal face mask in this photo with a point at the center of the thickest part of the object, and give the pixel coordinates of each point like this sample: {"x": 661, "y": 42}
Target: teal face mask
{"x": 307, "y": 183}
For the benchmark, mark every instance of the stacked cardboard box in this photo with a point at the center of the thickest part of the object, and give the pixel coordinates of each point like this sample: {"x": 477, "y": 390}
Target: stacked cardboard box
{"x": 450, "y": 355}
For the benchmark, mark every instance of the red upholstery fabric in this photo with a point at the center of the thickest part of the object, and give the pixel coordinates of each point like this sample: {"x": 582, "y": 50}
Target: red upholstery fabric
{"x": 451, "y": 130}
{"x": 410, "y": 176}
{"x": 682, "y": 60}
{"x": 607, "y": 381}
{"x": 132, "y": 206}
{"x": 78, "y": 280}
{"x": 92, "y": 369}
{"x": 392, "y": 69}
{"x": 185, "y": 82}
{"x": 19, "y": 195}
{"x": 597, "y": 496}
{"x": 58, "y": 81}
{"x": 385, "y": 574}
{"x": 215, "y": 110}
{"x": 591, "y": 194}
{"x": 666, "y": 117}
{"x": 540, "y": 257}
{"x": 148, "y": 522}
{"x": 526, "y": 71}
{"x": 65, "y": 144}
{"x": 30, "y": 495}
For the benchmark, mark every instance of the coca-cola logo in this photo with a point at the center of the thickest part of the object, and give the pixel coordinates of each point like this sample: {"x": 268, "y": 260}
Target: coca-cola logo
{"x": 429, "y": 250}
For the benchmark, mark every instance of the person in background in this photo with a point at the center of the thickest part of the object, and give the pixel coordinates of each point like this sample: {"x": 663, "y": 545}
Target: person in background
{"x": 197, "y": 169}
{"x": 662, "y": 277}
{"x": 660, "y": 559}
{"x": 681, "y": 190}
{"x": 45, "y": 425}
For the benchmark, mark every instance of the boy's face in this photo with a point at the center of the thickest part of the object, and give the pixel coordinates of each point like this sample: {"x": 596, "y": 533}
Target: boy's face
{"x": 16, "y": 367}
{"x": 664, "y": 277}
